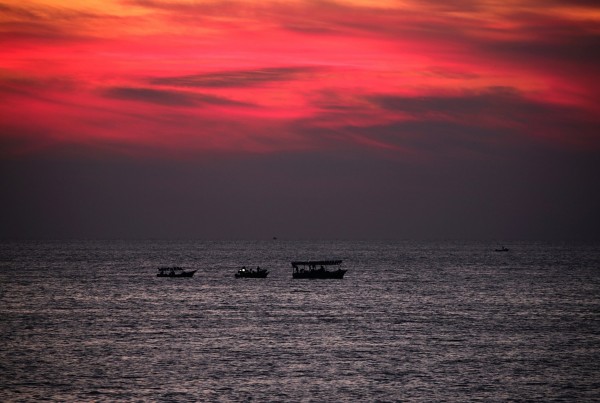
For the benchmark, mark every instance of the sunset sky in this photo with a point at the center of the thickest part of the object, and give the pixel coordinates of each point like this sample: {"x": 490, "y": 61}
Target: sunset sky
{"x": 300, "y": 119}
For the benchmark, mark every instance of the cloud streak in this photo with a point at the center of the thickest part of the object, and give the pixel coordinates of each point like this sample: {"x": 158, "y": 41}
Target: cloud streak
{"x": 238, "y": 78}
{"x": 167, "y": 97}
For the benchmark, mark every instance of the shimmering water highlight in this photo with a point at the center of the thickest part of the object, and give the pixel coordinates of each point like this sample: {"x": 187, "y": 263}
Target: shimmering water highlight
{"x": 437, "y": 321}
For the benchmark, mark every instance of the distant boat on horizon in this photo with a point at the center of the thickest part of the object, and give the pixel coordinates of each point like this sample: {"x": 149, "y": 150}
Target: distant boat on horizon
{"x": 502, "y": 249}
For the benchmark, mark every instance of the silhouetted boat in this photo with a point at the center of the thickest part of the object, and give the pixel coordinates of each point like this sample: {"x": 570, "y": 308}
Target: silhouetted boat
{"x": 251, "y": 273}
{"x": 174, "y": 272}
{"x": 502, "y": 249}
{"x": 308, "y": 269}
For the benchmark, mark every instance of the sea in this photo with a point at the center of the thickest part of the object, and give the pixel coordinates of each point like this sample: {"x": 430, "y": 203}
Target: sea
{"x": 410, "y": 322}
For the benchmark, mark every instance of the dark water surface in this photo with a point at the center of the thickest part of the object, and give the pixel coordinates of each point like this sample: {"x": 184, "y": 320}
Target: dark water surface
{"x": 89, "y": 320}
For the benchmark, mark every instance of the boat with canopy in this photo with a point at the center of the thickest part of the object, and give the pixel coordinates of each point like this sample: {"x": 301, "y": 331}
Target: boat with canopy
{"x": 317, "y": 269}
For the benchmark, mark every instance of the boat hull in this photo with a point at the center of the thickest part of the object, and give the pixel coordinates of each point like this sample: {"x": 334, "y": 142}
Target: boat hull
{"x": 319, "y": 274}
{"x": 252, "y": 275}
{"x": 184, "y": 274}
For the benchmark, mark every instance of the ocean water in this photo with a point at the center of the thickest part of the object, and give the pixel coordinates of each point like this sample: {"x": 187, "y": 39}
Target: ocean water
{"x": 413, "y": 322}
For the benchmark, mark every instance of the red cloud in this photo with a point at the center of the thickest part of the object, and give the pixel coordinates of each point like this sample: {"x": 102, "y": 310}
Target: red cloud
{"x": 269, "y": 77}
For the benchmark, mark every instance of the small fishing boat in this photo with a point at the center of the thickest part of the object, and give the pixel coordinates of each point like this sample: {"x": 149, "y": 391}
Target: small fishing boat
{"x": 316, "y": 269}
{"x": 174, "y": 272}
{"x": 251, "y": 273}
{"x": 502, "y": 249}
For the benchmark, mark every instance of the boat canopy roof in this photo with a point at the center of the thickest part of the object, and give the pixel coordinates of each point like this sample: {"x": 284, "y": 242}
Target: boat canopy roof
{"x": 316, "y": 263}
